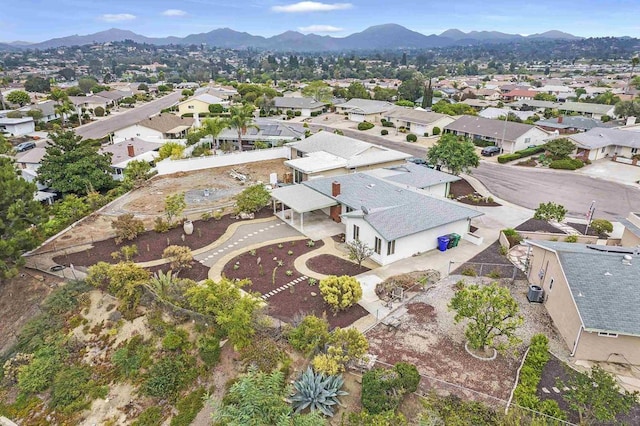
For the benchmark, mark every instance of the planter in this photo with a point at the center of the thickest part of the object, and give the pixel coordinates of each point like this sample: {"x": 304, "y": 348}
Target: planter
{"x": 481, "y": 358}
{"x": 188, "y": 227}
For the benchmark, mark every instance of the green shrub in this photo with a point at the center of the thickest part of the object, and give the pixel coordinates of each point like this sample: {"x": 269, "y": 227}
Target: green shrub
{"x": 264, "y": 354}
{"x": 312, "y": 333}
{"x": 168, "y": 376}
{"x": 73, "y": 389}
{"x": 383, "y": 389}
{"x": 188, "y": 408}
{"x": 482, "y": 143}
{"x": 566, "y": 164}
{"x": 209, "y": 350}
{"x": 571, "y": 239}
{"x": 152, "y": 416}
{"x": 175, "y": 340}
{"x": 409, "y": 376}
{"x": 601, "y": 226}
{"x": 386, "y": 123}
{"x": 384, "y": 132}
{"x": 531, "y": 151}
{"x": 436, "y": 131}
{"x": 365, "y": 125}
{"x": 38, "y": 375}
{"x": 469, "y": 272}
{"x": 412, "y": 138}
{"x": 297, "y": 113}
{"x": 505, "y": 158}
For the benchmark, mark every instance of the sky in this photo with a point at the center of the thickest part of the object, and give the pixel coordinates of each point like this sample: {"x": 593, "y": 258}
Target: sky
{"x": 39, "y": 20}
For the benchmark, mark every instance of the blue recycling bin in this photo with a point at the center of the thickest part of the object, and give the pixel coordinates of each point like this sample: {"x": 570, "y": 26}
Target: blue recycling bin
{"x": 443, "y": 242}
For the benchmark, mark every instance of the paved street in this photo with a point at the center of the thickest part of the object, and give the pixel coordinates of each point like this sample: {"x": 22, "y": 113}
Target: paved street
{"x": 101, "y": 128}
{"x": 529, "y": 187}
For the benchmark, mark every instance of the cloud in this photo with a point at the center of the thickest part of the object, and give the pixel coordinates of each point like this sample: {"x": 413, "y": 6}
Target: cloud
{"x": 311, "y": 6}
{"x": 320, "y": 29}
{"x": 174, "y": 12}
{"x": 117, "y": 17}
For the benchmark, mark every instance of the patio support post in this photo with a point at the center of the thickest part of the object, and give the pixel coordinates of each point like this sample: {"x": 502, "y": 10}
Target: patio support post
{"x": 302, "y": 222}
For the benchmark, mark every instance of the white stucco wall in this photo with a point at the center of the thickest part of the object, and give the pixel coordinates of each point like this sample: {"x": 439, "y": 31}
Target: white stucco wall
{"x": 20, "y": 128}
{"x": 137, "y": 131}
{"x": 535, "y": 137}
{"x": 406, "y": 246}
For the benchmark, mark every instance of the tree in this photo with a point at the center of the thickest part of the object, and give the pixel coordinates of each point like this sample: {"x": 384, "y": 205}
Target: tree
{"x": 492, "y": 313}
{"x": 627, "y": 109}
{"x": 427, "y": 96}
{"x": 252, "y": 199}
{"x": 318, "y": 90}
{"x": 259, "y": 398}
{"x": 241, "y": 119}
{"x": 560, "y": 148}
{"x": 173, "y": 150}
{"x": 545, "y": 97}
{"x": 597, "y": 398}
{"x": 73, "y": 165}
{"x": 124, "y": 280}
{"x": 35, "y": 113}
{"x": 19, "y": 97}
{"x": 136, "y": 172}
{"x": 550, "y": 211}
{"x": 357, "y": 90}
{"x": 601, "y": 226}
{"x": 456, "y": 155}
{"x": 143, "y": 87}
{"x": 37, "y": 84}
{"x": 214, "y": 126}
{"x": 359, "y": 251}
{"x": 174, "y": 205}
{"x": 340, "y": 292}
{"x": 86, "y": 83}
{"x": 234, "y": 312}
{"x": 311, "y": 334}
{"x": 19, "y": 213}
{"x": 180, "y": 257}
{"x": 412, "y": 89}
{"x": 127, "y": 227}
{"x": 67, "y": 73}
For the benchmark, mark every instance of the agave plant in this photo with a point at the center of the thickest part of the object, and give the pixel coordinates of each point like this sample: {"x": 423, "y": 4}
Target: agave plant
{"x": 317, "y": 391}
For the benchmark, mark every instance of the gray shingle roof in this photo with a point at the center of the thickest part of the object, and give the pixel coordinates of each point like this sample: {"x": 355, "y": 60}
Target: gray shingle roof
{"x": 488, "y": 128}
{"x": 367, "y": 106}
{"x": 415, "y": 115}
{"x": 566, "y": 106}
{"x": 573, "y": 122}
{"x": 297, "y": 102}
{"x": 600, "y": 136}
{"x": 418, "y": 176}
{"x": 165, "y": 122}
{"x": 606, "y": 291}
{"x": 393, "y": 212}
{"x": 340, "y": 146}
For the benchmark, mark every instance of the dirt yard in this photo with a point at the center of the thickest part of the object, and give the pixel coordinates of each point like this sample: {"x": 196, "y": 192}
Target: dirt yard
{"x": 428, "y": 338}
{"x": 19, "y": 301}
{"x": 147, "y": 202}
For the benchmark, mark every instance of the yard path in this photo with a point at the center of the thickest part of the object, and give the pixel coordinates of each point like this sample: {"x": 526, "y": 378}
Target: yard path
{"x": 330, "y": 248}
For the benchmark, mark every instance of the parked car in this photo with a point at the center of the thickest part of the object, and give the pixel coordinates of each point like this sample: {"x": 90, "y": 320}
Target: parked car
{"x": 490, "y": 151}
{"x": 25, "y": 146}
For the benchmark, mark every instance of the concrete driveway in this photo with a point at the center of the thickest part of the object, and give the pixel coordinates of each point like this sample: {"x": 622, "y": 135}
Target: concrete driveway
{"x": 610, "y": 170}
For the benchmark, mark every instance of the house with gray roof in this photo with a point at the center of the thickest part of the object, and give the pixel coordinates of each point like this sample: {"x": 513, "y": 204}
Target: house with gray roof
{"x": 306, "y": 106}
{"x": 396, "y": 222}
{"x": 631, "y": 234}
{"x": 591, "y": 294}
{"x": 587, "y": 109}
{"x": 47, "y": 108}
{"x": 601, "y": 142}
{"x": 507, "y": 135}
{"x": 271, "y": 132}
{"x": 329, "y": 154}
{"x": 360, "y": 110}
{"x": 17, "y": 126}
{"x": 418, "y": 121}
{"x": 570, "y": 124}
{"x": 410, "y": 175}
{"x": 156, "y": 128}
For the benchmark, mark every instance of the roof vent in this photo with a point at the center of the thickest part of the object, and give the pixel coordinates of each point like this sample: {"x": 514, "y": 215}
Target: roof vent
{"x": 364, "y": 209}
{"x": 607, "y": 274}
{"x": 626, "y": 259}
{"x": 371, "y": 185}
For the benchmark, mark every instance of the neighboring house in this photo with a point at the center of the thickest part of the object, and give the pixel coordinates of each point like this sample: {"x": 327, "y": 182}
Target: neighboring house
{"x": 90, "y": 102}
{"x": 631, "y": 233}
{"x": 131, "y": 149}
{"x": 306, "y": 106}
{"x": 115, "y": 95}
{"x": 507, "y": 135}
{"x": 495, "y": 113}
{"x": 479, "y": 104}
{"x": 329, "y": 154}
{"x": 156, "y": 128}
{"x": 519, "y": 95}
{"x": 17, "y": 126}
{"x": 414, "y": 176}
{"x": 489, "y": 94}
{"x": 47, "y": 108}
{"x": 28, "y": 163}
{"x": 199, "y": 104}
{"x": 416, "y": 121}
{"x": 222, "y": 92}
{"x": 570, "y": 124}
{"x": 274, "y": 133}
{"x": 360, "y": 110}
{"x": 582, "y": 108}
{"x": 591, "y": 294}
{"x": 602, "y": 142}
{"x": 396, "y": 223}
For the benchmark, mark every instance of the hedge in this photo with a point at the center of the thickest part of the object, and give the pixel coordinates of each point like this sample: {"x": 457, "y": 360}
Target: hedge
{"x": 566, "y": 164}
{"x": 530, "y": 376}
{"x": 384, "y": 132}
{"x": 521, "y": 154}
{"x": 365, "y": 125}
{"x": 482, "y": 143}
{"x": 508, "y": 157}
{"x": 411, "y": 137}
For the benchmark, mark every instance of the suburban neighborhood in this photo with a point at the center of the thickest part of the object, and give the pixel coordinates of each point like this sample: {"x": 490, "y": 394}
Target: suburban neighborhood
{"x": 298, "y": 229}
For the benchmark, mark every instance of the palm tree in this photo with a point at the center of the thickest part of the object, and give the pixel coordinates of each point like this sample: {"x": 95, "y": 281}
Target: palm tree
{"x": 214, "y": 126}
{"x": 241, "y": 119}
{"x": 62, "y": 109}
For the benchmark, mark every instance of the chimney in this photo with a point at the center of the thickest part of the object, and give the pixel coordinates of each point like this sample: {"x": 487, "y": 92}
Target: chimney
{"x": 560, "y": 118}
{"x": 130, "y": 151}
{"x": 335, "y": 188}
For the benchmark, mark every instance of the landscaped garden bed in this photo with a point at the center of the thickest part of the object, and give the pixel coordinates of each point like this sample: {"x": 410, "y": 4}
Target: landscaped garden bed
{"x": 494, "y": 264}
{"x": 197, "y": 272}
{"x": 466, "y": 194}
{"x": 151, "y": 244}
{"x": 270, "y": 267}
{"x": 536, "y": 225}
{"x": 328, "y": 264}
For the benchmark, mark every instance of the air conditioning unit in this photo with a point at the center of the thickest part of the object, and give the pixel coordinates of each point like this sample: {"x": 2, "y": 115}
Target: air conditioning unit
{"x": 535, "y": 294}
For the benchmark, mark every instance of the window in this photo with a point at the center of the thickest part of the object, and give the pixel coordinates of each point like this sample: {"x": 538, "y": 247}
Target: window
{"x": 602, "y": 151}
{"x": 377, "y": 247}
{"x": 356, "y": 232}
{"x": 603, "y": 334}
{"x": 634, "y": 150}
{"x": 551, "y": 284}
{"x": 391, "y": 247}
{"x": 190, "y": 107}
{"x": 527, "y": 140}
{"x": 298, "y": 176}
{"x": 349, "y": 209}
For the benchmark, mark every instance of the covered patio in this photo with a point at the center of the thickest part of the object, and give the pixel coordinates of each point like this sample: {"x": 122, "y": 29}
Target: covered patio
{"x": 302, "y": 208}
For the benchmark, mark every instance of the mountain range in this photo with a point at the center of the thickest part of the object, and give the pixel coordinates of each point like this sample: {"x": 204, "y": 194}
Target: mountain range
{"x": 378, "y": 37}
